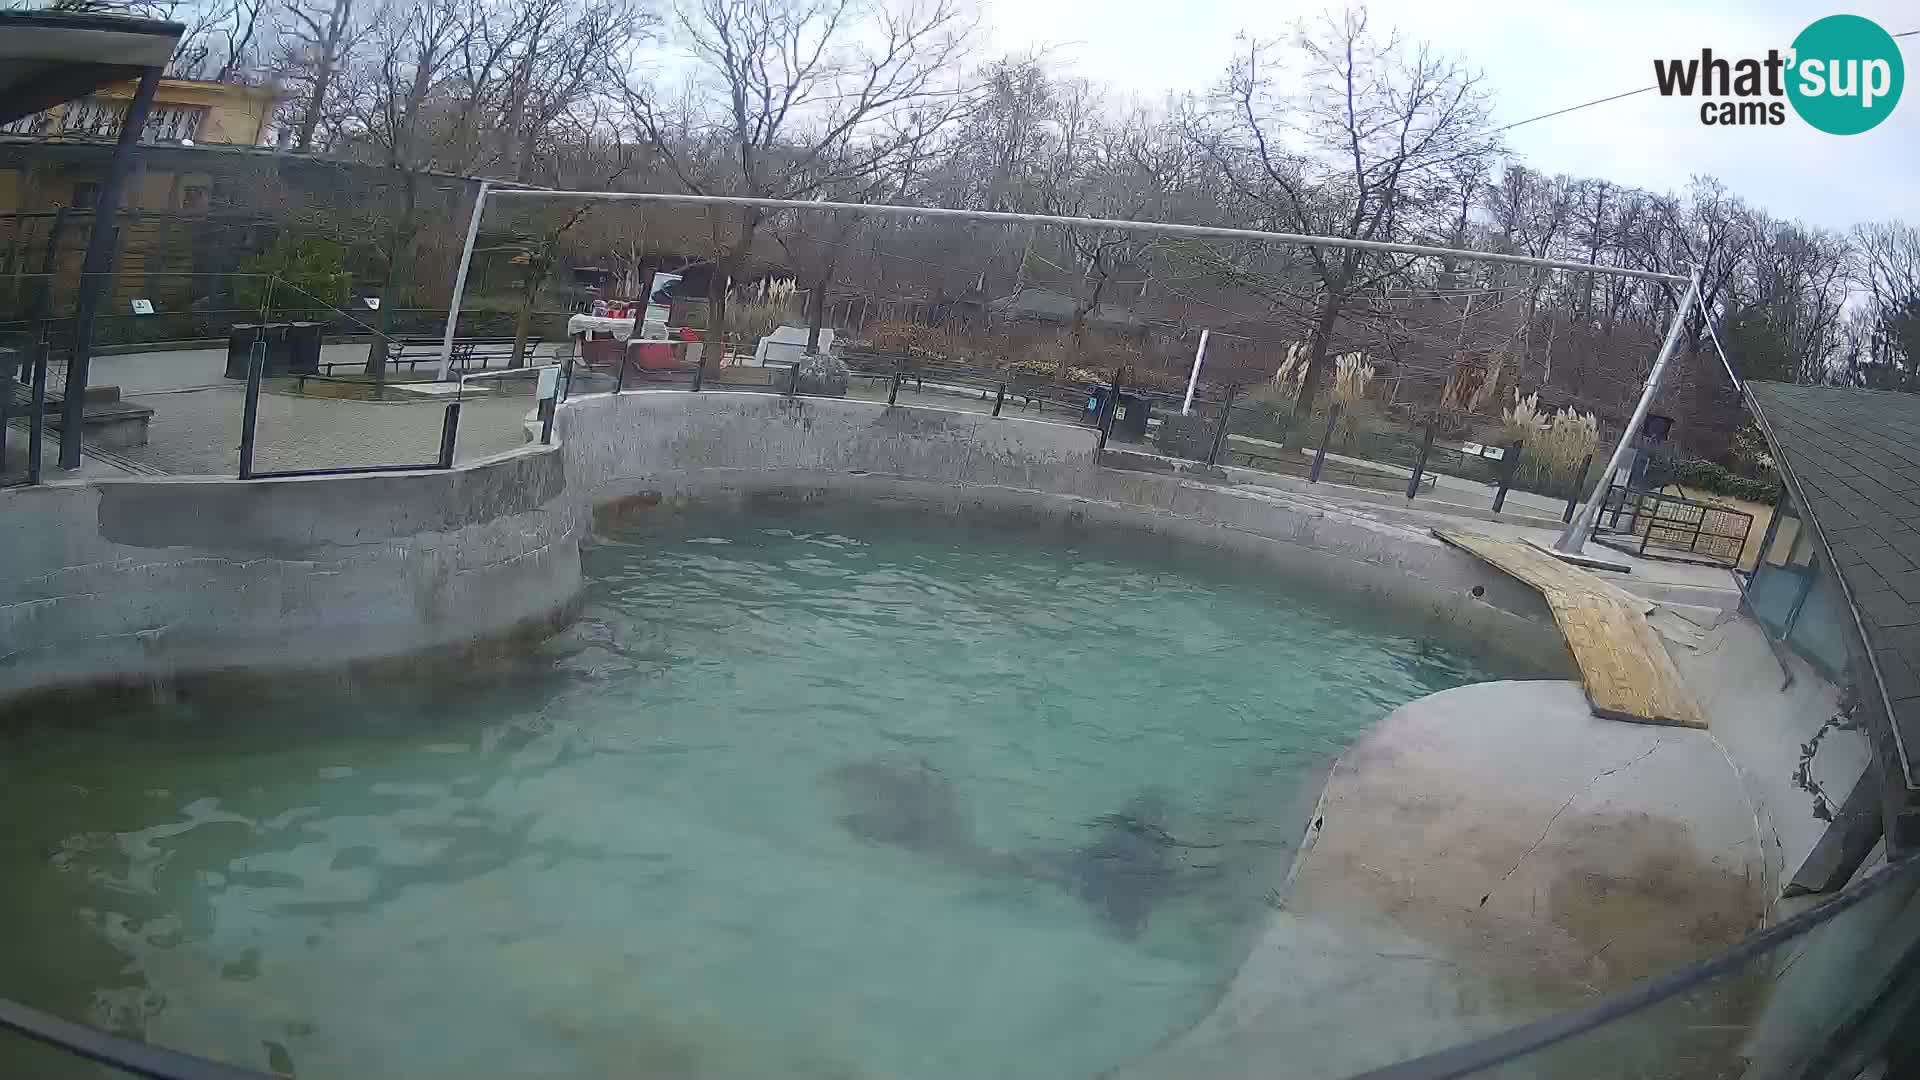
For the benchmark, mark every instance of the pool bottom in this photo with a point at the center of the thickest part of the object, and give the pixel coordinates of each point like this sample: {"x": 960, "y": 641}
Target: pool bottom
{"x": 815, "y": 795}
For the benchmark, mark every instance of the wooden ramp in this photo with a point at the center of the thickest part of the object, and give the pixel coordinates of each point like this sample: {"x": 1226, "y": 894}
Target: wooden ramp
{"x": 1624, "y": 665}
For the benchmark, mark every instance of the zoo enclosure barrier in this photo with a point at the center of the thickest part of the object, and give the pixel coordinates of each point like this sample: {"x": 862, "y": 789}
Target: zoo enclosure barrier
{"x": 1661, "y": 526}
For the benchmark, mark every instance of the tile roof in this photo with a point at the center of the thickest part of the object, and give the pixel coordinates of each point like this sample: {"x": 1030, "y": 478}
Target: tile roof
{"x": 1854, "y": 458}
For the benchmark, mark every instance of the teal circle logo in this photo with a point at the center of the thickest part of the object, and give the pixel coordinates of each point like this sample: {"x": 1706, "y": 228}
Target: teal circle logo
{"x": 1847, "y": 74}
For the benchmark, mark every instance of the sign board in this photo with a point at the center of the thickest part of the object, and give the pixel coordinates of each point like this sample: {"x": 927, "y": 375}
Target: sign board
{"x": 372, "y": 302}
{"x": 142, "y": 306}
{"x": 549, "y": 383}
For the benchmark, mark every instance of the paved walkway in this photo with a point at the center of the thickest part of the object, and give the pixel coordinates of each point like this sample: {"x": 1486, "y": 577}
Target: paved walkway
{"x": 197, "y": 414}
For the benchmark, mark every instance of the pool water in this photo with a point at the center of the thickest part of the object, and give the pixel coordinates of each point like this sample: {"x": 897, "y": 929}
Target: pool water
{"x": 813, "y": 794}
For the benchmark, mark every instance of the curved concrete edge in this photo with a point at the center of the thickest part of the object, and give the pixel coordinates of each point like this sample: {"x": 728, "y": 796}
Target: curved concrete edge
{"x": 671, "y": 444}
{"x": 1485, "y": 856}
{"x": 117, "y": 582}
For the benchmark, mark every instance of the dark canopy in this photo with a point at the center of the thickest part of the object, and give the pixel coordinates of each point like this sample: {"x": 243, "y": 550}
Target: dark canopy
{"x": 50, "y": 57}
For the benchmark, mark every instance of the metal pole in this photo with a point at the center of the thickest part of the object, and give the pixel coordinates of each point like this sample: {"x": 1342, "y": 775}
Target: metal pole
{"x": 1506, "y": 476}
{"x": 460, "y": 280}
{"x": 450, "y": 431}
{"x": 250, "y": 412}
{"x": 1320, "y": 455}
{"x": 93, "y": 272}
{"x": 893, "y": 387}
{"x": 1220, "y": 430}
{"x": 1580, "y": 481}
{"x": 700, "y": 369}
{"x": 1419, "y": 463}
{"x": 620, "y": 377}
{"x": 1193, "y": 377}
{"x": 1581, "y": 528}
{"x": 1167, "y": 228}
{"x": 999, "y": 398}
{"x": 37, "y": 423}
{"x": 1111, "y": 411}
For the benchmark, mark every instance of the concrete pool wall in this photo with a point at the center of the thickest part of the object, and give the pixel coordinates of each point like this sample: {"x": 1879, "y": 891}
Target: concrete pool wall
{"x": 138, "y": 581}
{"x": 110, "y": 582}
{"x": 671, "y": 444}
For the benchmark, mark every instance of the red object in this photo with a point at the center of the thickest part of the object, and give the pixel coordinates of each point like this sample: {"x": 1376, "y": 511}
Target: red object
{"x": 690, "y": 333}
{"x": 653, "y": 355}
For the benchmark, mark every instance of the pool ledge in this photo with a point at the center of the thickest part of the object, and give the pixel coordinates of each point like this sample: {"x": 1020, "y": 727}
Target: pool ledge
{"x": 1484, "y": 856}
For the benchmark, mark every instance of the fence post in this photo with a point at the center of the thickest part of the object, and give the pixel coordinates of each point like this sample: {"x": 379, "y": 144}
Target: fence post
{"x": 1320, "y": 455}
{"x": 6, "y": 400}
{"x": 1579, "y": 485}
{"x": 450, "y": 430}
{"x": 1506, "y": 475}
{"x": 793, "y": 380}
{"x": 620, "y": 380}
{"x": 999, "y": 398}
{"x": 1111, "y": 411}
{"x": 1220, "y": 429}
{"x": 893, "y": 387}
{"x": 250, "y": 414}
{"x": 1420, "y": 463}
{"x": 37, "y": 423}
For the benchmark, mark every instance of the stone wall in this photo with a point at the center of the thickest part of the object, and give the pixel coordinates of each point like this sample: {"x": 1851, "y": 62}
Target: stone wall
{"x": 125, "y": 581}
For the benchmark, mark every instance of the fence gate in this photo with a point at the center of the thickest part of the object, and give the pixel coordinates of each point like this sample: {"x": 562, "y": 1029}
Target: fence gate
{"x": 1661, "y": 526}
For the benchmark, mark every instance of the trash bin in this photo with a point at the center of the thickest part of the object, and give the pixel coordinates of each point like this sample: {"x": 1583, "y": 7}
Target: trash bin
{"x": 240, "y": 339}
{"x": 303, "y": 348}
{"x": 1130, "y": 414}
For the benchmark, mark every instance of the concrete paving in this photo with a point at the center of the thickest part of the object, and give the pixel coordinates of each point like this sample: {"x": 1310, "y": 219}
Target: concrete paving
{"x": 1485, "y": 856}
{"x": 195, "y": 429}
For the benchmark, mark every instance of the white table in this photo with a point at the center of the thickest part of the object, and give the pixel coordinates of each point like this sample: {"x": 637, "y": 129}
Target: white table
{"x": 620, "y": 329}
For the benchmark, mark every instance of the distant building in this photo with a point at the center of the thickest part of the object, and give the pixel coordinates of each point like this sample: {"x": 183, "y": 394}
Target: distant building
{"x": 184, "y": 111}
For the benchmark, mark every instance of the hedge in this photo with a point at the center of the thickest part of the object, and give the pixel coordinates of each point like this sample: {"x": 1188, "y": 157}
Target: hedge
{"x": 1703, "y": 475}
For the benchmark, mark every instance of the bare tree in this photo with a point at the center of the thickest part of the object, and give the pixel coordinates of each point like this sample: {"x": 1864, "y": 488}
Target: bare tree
{"x": 787, "y": 98}
{"x": 1364, "y": 152}
{"x": 318, "y": 40}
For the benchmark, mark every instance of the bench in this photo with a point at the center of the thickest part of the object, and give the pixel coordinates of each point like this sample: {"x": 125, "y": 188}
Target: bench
{"x": 105, "y": 420}
{"x": 426, "y": 350}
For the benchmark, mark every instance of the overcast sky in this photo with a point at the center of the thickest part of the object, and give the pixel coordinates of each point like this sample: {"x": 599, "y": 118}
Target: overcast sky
{"x": 1538, "y": 56}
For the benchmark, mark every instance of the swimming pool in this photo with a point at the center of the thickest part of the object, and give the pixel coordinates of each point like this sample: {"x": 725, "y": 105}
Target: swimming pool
{"x": 814, "y": 792}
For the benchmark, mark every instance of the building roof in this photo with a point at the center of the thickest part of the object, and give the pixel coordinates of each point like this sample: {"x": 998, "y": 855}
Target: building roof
{"x": 1852, "y": 458}
{"x": 1034, "y": 302}
{"x": 47, "y": 58}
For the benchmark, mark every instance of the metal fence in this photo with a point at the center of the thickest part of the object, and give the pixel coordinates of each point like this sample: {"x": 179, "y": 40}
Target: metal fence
{"x": 1658, "y": 525}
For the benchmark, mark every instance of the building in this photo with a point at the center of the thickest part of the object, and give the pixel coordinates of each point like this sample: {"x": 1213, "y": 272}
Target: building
{"x": 184, "y": 111}
{"x": 1838, "y": 582}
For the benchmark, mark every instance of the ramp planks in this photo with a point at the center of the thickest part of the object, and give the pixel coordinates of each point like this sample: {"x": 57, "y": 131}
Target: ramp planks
{"x": 1624, "y": 664}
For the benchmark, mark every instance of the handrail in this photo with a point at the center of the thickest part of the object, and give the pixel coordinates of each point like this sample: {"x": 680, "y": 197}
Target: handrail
{"x": 127, "y": 1055}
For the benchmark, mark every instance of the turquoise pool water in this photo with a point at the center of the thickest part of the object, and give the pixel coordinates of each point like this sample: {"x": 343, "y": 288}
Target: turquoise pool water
{"x": 809, "y": 794}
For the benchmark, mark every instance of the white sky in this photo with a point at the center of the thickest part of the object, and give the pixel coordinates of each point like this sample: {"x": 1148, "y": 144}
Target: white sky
{"x": 1538, "y": 56}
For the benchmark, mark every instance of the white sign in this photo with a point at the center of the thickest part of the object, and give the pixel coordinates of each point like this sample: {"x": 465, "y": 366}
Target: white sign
{"x": 372, "y": 302}
{"x": 549, "y": 383}
{"x": 142, "y": 306}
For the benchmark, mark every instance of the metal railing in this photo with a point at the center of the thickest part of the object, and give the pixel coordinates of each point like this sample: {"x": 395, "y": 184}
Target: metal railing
{"x": 23, "y": 396}
{"x": 1657, "y": 525}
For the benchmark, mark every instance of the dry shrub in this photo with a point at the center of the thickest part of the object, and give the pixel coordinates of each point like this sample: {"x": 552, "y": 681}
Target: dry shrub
{"x": 753, "y": 312}
{"x": 1351, "y": 376}
{"x": 1552, "y": 444}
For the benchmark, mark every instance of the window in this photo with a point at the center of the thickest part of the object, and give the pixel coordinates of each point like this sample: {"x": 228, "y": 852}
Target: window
{"x": 86, "y": 194}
